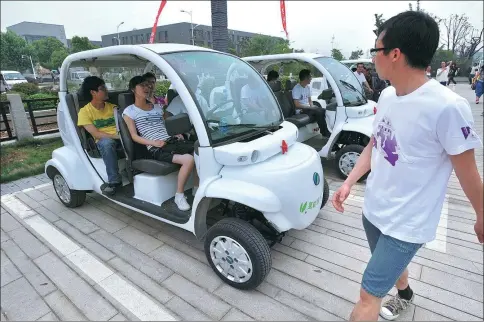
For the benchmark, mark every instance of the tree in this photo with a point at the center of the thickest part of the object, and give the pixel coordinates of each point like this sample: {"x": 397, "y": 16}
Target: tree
{"x": 265, "y": 45}
{"x": 44, "y": 49}
{"x": 57, "y": 58}
{"x": 79, "y": 44}
{"x": 356, "y": 54}
{"x": 379, "y": 20}
{"x": 12, "y": 48}
{"x": 456, "y": 28}
{"x": 336, "y": 54}
{"x": 471, "y": 45}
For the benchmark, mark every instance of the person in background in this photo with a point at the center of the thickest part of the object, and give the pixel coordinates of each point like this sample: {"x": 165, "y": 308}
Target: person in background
{"x": 272, "y": 76}
{"x": 452, "y": 73}
{"x": 406, "y": 186}
{"x": 442, "y": 74}
{"x": 360, "y": 75}
{"x": 478, "y": 83}
{"x": 378, "y": 85}
{"x": 97, "y": 118}
{"x": 428, "y": 71}
{"x": 151, "y": 80}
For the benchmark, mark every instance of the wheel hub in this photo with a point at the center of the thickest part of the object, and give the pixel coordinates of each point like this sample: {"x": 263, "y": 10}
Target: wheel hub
{"x": 62, "y": 189}
{"x": 231, "y": 259}
{"x": 347, "y": 162}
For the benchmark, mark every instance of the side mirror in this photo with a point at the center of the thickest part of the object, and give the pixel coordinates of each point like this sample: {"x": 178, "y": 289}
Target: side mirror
{"x": 326, "y": 95}
{"x": 178, "y": 124}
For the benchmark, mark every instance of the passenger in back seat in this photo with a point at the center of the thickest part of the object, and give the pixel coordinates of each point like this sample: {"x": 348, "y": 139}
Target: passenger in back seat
{"x": 147, "y": 120}
{"x": 301, "y": 94}
{"x": 97, "y": 117}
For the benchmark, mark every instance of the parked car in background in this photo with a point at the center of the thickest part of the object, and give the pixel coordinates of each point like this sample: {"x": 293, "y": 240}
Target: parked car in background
{"x": 13, "y": 77}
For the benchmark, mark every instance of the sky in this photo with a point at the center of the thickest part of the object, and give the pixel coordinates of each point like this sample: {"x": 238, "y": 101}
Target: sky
{"x": 311, "y": 24}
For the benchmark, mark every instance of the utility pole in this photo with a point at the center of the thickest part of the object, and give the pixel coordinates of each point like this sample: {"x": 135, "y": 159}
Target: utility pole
{"x": 332, "y": 43}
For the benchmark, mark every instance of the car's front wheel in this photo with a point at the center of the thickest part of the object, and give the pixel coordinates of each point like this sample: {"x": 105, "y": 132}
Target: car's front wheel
{"x": 346, "y": 160}
{"x": 70, "y": 198}
{"x": 238, "y": 253}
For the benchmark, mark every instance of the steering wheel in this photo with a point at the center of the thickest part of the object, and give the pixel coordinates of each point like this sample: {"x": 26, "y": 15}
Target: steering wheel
{"x": 212, "y": 111}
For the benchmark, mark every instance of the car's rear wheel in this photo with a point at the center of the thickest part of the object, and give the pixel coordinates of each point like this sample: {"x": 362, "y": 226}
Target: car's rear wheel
{"x": 70, "y": 198}
{"x": 325, "y": 193}
{"x": 238, "y": 253}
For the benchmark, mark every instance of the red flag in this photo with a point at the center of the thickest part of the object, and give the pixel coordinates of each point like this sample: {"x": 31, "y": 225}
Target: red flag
{"x": 283, "y": 17}
{"x": 153, "y": 31}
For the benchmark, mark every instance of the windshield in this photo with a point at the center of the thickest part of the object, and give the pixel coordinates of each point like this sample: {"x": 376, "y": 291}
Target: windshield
{"x": 13, "y": 76}
{"x": 233, "y": 98}
{"x": 349, "y": 86}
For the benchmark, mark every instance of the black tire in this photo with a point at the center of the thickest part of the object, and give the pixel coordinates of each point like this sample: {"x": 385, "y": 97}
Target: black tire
{"x": 251, "y": 240}
{"x": 325, "y": 193}
{"x": 352, "y": 148}
{"x": 76, "y": 197}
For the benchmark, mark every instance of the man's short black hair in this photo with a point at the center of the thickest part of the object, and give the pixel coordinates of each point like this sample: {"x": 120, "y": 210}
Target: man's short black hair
{"x": 135, "y": 81}
{"x": 91, "y": 83}
{"x": 272, "y": 75}
{"x": 415, "y": 33}
{"x": 149, "y": 75}
{"x": 304, "y": 74}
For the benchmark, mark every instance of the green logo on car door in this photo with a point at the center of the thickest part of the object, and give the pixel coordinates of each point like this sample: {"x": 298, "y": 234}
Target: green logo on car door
{"x": 308, "y": 205}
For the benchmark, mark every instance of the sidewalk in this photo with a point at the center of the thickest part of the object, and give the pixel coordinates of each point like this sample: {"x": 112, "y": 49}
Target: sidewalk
{"x": 104, "y": 262}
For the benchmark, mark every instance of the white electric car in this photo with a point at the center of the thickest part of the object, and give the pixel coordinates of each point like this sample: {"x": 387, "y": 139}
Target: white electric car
{"x": 349, "y": 115}
{"x": 256, "y": 180}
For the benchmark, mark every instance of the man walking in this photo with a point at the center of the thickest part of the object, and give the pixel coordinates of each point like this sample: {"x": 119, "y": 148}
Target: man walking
{"x": 421, "y": 132}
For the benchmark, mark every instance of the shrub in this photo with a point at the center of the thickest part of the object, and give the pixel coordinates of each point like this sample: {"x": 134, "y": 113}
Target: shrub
{"x": 162, "y": 87}
{"x": 42, "y": 104}
{"x": 26, "y": 88}
{"x": 49, "y": 90}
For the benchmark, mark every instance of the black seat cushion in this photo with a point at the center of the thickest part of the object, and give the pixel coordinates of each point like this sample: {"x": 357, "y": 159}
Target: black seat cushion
{"x": 154, "y": 167}
{"x": 170, "y": 95}
{"x": 299, "y": 120}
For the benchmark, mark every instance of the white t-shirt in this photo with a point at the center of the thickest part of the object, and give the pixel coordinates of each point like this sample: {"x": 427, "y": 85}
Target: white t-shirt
{"x": 150, "y": 124}
{"x": 361, "y": 77}
{"x": 301, "y": 94}
{"x": 414, "y": 136}
{"x": 441, "y": 76}
{"x": 251, "y": 98}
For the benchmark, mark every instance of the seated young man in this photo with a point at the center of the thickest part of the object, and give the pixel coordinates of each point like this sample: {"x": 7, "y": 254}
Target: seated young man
{"x": 301, "y": 94}
{"x": 97, "y": 118}
{"x": 147, "y": 120}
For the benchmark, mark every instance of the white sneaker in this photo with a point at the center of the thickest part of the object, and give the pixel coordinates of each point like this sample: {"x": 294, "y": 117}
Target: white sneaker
{"x": 181, "y": 202}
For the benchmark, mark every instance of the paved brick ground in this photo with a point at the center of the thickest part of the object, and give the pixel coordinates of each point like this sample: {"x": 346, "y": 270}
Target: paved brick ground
{"x": 315, "y": 275}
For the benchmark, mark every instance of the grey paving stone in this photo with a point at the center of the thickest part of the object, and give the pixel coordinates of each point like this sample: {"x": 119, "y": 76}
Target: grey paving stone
{"x": 444, "y": 309}
{"x": 310, "y": 293}
{"x": 100, "y": 218}
{"x": 330, "y": 267}
{"x": 306, "y": 308}
{"x": 472, "y": 255}
{"x": 49, "y": 317}
{"x": 184, "y": 248}
{"x": 113, "y": 212}
{"x": 9, "y": 272}
{"x": 268, "y": 289}
{"x": 90, "y": 303}
{"x": 188, "y": 267}
{"x": 20, "y": 302}
{"x": 290, "y": 251}
{"x": 36, "y": 195}
{"x": 32, "y": 273}
{"x": 323, "y": 279}
{"x": 138, "y": 239}
{"x": 3, "y": 317}
{"x": 141, "y": 280}
{"x": 78, "y": 222}
{"x": 185, "y": 310}
{"x": 140, "y": 261}
{"x": 8, "y": 223}
{"x": 196, "y": 296}
{"x": 27, "y": 200}
{"x": 287, "y": 240}
{"x": 258, "y": 305}
{"x": 47, "y": 214}
{"x": 426, "y": 315}
{"x": 64, "y": 308}
{"x": 118, "y": 317}
{"x": 236, "y": 315}
{"x": 28, "y": 243}
{"x": 449, "y": 269}
{"x": 175, "y": 232}
{"x": 143, "y": 227}
{"x": 28, "y": 182}
{"x": 452, "y": 283}
{"x": 53, "y": 205}
{"x": 49, "y": 192}
{"x": 3, "y": 236}
{"x": 447, "y": 259}
{"x": 95, "y": 248}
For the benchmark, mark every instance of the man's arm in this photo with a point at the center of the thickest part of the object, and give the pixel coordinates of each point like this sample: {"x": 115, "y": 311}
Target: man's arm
{"x": 466, "y": 171}
{"x": 98, "y": 134}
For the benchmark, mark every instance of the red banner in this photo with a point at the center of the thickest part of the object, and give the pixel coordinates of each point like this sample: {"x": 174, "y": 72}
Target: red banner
{"x": 283, "y": 17}
{"x": 153, "y": 31}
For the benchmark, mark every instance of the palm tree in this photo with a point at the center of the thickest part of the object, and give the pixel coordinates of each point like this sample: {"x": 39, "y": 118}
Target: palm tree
{"x": 220, "y": 33}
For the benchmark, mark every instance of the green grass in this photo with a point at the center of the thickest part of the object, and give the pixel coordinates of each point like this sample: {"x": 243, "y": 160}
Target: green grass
{"x": 27, "y": 158}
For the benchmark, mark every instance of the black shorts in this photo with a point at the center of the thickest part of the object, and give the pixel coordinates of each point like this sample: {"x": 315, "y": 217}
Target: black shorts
{"x": 166, "y": 153}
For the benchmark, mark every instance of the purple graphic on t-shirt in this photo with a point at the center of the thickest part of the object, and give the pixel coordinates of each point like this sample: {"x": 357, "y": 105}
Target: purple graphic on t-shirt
{"x": 386, "y": 142}
{"x": 466, "y": 130}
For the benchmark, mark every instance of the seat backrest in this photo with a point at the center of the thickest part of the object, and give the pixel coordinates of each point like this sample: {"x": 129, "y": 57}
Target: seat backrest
{"x": 170, "y": 95}
{"x": 288, "y": 94}
{"x": 276, "y": 87}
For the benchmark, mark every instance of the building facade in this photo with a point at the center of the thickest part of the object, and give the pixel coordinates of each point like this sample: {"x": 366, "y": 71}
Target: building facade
{"x": 32, "y": 31}
{"x": 176, "y": 33}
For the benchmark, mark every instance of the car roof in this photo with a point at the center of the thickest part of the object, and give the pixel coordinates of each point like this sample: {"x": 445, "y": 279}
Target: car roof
{"x": 361, "y": 60}
{"x": 10, "y": 71}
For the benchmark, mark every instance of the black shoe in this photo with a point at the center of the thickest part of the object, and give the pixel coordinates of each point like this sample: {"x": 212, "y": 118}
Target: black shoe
{"x": 110, "y": 188}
